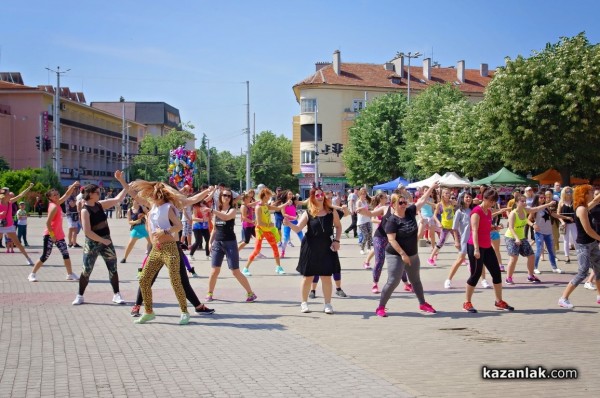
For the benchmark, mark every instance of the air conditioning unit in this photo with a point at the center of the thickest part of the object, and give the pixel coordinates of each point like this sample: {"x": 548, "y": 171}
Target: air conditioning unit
{"x": 63, "y": 106}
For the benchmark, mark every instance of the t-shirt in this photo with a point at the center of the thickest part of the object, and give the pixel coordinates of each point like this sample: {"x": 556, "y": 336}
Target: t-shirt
{"x": 544, "y": 221}
{"x": 56, "y": 222}
{"x": 406, "y": 230}
{"x": 352, "y": 198}
{"x": 21, "y": 217}
{"x": 485, "y": 227}
{"x": 462, "y": 224}
{"x": 362, "y": 219}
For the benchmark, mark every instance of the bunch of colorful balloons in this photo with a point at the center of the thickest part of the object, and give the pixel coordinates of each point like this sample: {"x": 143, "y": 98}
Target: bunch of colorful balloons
{"x": 181, "y": 167}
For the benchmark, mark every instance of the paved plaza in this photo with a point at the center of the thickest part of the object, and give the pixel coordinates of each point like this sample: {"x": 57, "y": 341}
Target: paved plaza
{"x": 49, "y": 348}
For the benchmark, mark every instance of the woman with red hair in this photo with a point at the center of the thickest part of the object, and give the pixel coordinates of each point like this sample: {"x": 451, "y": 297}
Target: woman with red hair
{"x": 586, "y": 244}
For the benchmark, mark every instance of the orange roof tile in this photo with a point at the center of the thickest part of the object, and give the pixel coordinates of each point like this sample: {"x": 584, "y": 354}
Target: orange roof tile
{"x": 13, "y": 86}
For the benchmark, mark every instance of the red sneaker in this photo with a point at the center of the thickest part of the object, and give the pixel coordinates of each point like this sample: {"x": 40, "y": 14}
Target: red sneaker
{"x": 503, "y": 305}
{"x": 467, "y": 306}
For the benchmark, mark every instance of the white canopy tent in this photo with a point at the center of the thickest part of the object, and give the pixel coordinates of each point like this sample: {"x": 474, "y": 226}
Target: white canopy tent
{"x": 425, "y": 183}
{"x": 453, "y": 180}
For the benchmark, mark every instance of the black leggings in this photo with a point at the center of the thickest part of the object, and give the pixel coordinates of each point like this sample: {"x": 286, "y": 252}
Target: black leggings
{"x": 198, "y": 235}
{"x": 487, "y": 257}
{"x": 185, "y": 282}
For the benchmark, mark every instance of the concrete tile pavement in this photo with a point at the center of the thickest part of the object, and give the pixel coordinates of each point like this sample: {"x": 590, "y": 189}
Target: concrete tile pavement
{"x": 50, "y": 348}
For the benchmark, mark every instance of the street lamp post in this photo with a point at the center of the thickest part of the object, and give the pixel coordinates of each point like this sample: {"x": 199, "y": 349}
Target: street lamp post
{"x": 56, "y": 120}
{"x": 409, "y": 55}
{"x": 316, "y": 145}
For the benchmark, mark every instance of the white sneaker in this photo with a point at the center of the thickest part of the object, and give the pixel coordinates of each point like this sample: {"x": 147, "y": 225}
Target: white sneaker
{"x": 192, "y": 258}
{"x": 29, "y": 262}
{"x": 328, "y": 309}
{"x": 485, "y": 284}
{"x": 587, "y": 285}
{"x": 304, "y": 307}
{"x": 448, "y": 284}
{"x": 362, "y": 252}
{"x": 290, "y": 244}
{"x": 565, "y": 303}
{"x": 78, "y": 300}
{"x": 72, "y": 277}
{"x": 118, "y": 299}
{"x": 557, "y": 271}
{"x": 32, "y": 278}
{"x": 537, "y": 271}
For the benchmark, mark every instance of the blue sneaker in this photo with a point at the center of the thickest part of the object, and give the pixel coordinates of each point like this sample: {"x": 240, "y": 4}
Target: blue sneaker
{"x": 185, "y": 318}
{"x": 145, "y": 318}
{"x": 279, "y": 270}
{"x": 246, "y": 272}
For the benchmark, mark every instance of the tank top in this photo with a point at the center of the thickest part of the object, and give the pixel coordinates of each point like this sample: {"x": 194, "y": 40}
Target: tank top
{"x": 447, "y": 215}
{"x": 159, "y": 217}
{"x": 567, "y": 211}
{"x": 249, "y": 216}
{"x": 427, "y": 211}
{"x": 380, "y": 231}
{"x": 582, "y": 237}
{"x": 56, "y": 222}
{"x": 224, "y": 229}
{"x": 8, "y": 215}
{"x": 263, "y": 214}
{"x": 98, "y": 222}
{"x": 519, "y": 227}
{"x": 72, "y": 213}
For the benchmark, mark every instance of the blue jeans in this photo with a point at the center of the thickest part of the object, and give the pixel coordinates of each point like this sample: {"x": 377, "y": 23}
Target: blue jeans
{"x": 540, "y": 240}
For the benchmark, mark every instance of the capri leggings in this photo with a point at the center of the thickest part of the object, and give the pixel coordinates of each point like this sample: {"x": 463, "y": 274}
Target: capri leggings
{"x": 488, "y": 258}
{"x": 396, "y": 268}
{"x": 336, "y": 277}
{"x": 200, "y": 234}
{"x": 248, "y": 233}
{"x": 443, "y": 236}
{"x": 270, "y": 239}
{"x": 367, "y": 232}
{"x": 49, "y": 244}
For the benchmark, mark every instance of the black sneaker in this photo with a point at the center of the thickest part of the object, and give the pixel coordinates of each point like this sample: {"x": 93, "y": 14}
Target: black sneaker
{"x": 77, "y": 246}
{"x": 312, "y": 294}
{"x": 204, "y": 310}
{"x": 340, "y": 293}
{"x": 123, "y": 261}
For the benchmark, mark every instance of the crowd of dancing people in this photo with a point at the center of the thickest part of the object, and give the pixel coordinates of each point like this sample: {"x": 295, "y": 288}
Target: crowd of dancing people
{"x": 390, "y": 229}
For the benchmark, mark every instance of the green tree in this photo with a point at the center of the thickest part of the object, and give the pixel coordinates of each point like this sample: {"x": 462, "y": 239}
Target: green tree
{"x": 543, "y": 110}
{"x": 4, "y": 165}
{"x": 421, "y": 115}
{"x": 271, "y": 161}
{"x": 374, "y": 140}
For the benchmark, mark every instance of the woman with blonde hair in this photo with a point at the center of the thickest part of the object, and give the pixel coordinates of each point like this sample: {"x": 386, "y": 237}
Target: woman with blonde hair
{"x": 566, "y": 209}
{"x": 588, "y": 253}
{"x": 318, "y": 251}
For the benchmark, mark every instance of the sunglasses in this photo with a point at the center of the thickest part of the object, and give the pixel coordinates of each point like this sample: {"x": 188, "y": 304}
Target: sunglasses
{"x": 226, "y": 195}
{"x": 319, "y": 195}
{"x": 401, "y": 202}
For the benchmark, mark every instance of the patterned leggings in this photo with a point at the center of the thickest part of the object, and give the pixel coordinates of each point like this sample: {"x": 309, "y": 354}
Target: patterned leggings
{"x": 169, "y": 256}
{"x": 367, "y": 232}
{"x": 272, "y": 242}
{"x": 49, "y": 243}
{"x": 379, "y": 245}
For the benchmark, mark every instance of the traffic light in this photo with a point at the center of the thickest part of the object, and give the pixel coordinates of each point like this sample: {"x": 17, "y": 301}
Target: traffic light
{"x": 47, "y": 144}
{"x": 37, "y": 142}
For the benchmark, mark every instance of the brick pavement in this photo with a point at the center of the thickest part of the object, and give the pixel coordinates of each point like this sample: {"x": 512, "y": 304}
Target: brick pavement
{"x": 268, "y": 348}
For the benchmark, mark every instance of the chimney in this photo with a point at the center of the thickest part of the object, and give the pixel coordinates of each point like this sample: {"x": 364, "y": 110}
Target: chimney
{"x": 427, "y": 68}
{"x": 484, "y": 70}
{"x": 321, "y": 65}
{"x": 399, "y": 65}
{"x": 337, "y": 62}
{"x": 460, "y": 71}
{"x": 388, "y": 66}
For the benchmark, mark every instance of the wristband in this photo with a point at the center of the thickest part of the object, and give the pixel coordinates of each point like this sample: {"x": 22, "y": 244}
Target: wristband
{"x": 335, "y": 240}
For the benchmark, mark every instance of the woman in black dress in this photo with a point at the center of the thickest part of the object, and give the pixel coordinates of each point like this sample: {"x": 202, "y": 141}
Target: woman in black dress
{"x": 318, "y": 252}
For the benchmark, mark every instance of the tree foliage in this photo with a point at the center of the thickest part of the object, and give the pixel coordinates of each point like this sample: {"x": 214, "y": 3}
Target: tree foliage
{"x": 372, "y": 153}
{"x": 544, "y": 111}
{"x": 271, "y": 161}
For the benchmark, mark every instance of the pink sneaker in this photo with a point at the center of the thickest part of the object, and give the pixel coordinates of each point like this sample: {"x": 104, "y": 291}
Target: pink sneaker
{"x": 502, "y": 269}
{"x": 282, "y": 254}
{"x": 426, "y": 307}
{"x": 367, "y": 265}
{"x": 408, "y": 288}
{"x": 380, "y": 311}
{"x": 375, "y": 289}
{"x": 431, "y": 261}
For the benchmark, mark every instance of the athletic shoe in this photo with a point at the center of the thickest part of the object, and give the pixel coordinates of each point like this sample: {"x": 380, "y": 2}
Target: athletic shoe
{"x": 123, "y": 261}
{"x": 185, "y": 318}
{"x": 408, "y": 288}
{"x": 135, "y": 311}
{"x": 362, "y": 252}
{"x": 312, "y": 294}
{"x": 70, "y": 245}
{"x": 72, "y": 277}
{"x": 598, "y": 299}
{"x": 251, "y": 298}
{"x": 509, "y": 281}
{"x": 427, "y": 308}
{"x": 246, "y": 272}
{"x": 589, "y": 286}
{"x": 367, "y": 266}
{"x": 78, "y": 300}
{"x": 304, "y": 307}
{"x": 192, "y": 258}
{"x": 260, "y": 255}
{"x": 464, "y": 262}
{"x": 290, "y": 244}
{"x": 76, "y": 246}
{"x": 380, "y": 311}
{"x": 340, "y": 293}
{"x": 565, "y": 303}
{"x": 537, "y": 271}
{"x": 328, "y": 309}
{"x": 485, "y": 284}
{"x": 282, "y": 254}
{"x": 145, "y": 318}
{"x": 346, "y": 235}
{"x": 195, "y": 275}
{"x": 29, "y": 262}
{"x": 375, "y": 288}
{"x": 431, "y": 261}
{"x": 139, "y": 273}
{"x": 279, "y": 270}
{"x": 117, "y": 299}
{"x": 557, "y": 270}
{"x": 503, "y": 305}
{"x": 502, "y": 269}
{"x": 32, "y": 278}
{"x": 467, "y": 306}
{"x": 204, "y": 310}
{"x": 533, "y": 279}
{"x": 568, "y": 260}
{"x": 209, "y": 297}
{"x": 448, "y": 284}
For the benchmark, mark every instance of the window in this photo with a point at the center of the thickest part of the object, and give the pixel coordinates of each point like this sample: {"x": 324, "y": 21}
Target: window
{"x": 307, "y": 157}
{"x": 308, "y": 105}
{"x": 307, "y": 133}
{"x": 358, "y": 105}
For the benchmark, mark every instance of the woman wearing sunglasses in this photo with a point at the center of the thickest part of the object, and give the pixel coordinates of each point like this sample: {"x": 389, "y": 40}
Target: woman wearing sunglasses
{"x": 318, "y": 251}
{"x": 402, "y": 251}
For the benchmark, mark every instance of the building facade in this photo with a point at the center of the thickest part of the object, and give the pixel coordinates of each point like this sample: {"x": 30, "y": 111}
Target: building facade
{"x": 332, "y": 97}
{"x": 159, "y": 117}
{"x": 92, "y": 140}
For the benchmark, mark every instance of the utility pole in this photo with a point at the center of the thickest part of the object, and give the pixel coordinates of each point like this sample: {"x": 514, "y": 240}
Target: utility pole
{"x": 248, "y": 180}
{"x": 123, "y": 141}
{"x": 410, "y": 56}
{"x": 208, "y": 161}
{"x": 56, "y": 117}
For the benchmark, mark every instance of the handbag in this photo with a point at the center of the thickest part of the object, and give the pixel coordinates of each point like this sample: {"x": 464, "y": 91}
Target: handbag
{"x": 562, "y": 229}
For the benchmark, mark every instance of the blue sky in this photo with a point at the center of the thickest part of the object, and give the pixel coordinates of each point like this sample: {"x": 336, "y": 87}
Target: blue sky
{"x": 196, "y": 55}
